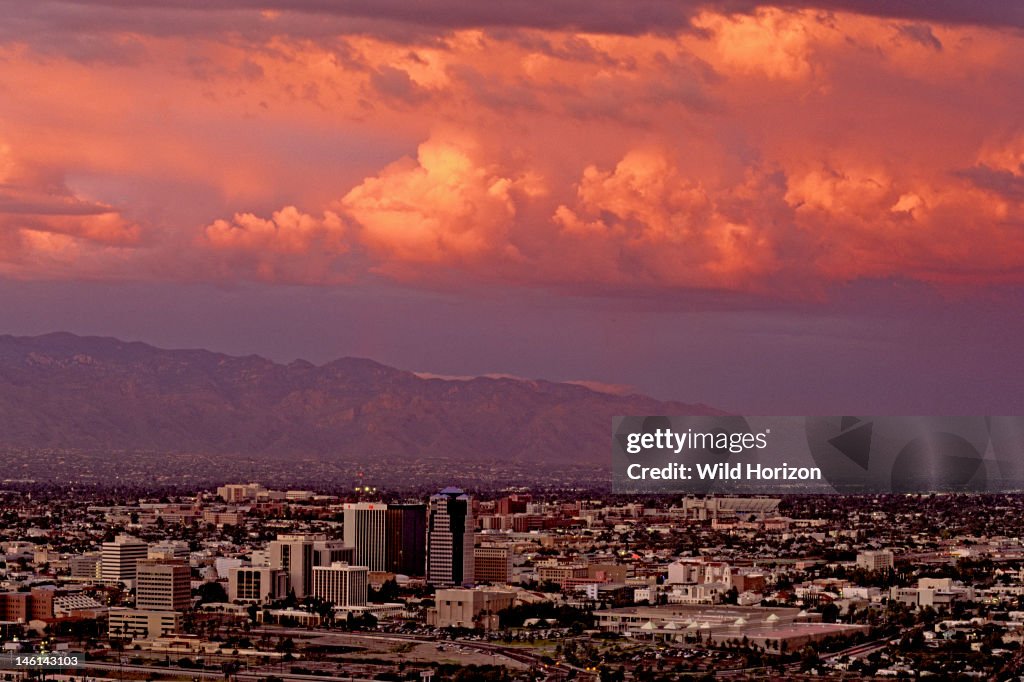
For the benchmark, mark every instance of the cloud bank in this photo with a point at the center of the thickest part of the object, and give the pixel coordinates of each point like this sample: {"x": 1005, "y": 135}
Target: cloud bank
{"x": 659, "y": 148}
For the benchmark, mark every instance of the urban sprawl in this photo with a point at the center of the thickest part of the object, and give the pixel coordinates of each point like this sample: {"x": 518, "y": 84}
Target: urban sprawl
{"x": 249, "y": 583}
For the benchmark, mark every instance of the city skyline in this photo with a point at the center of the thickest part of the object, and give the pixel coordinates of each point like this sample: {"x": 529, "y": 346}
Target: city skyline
{"x": 556, "y": 584}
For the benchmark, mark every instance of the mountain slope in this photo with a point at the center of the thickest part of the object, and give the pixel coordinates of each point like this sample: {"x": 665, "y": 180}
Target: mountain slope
{"x": 89, "y": 393}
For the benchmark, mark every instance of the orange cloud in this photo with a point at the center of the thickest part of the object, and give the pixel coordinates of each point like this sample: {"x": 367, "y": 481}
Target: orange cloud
{"x": 44, "y": 224}
{"x": 445, "y": 207}
{"x": 771, "y": 42}
{"x": 288, "y": 232}
{"x": 778, "y": 151}
{"x": 290, "y": 246}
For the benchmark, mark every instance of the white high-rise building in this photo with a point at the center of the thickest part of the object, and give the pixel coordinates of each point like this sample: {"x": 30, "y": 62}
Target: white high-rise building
{"x": 365, "y": 533}
{"x": 120, "y": 558}
{"x": 341, "y": 584}
{"x": 450, "y": 533}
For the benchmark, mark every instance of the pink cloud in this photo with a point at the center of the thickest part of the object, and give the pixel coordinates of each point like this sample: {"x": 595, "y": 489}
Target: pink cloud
{"x": 290, "y": 246}
{"x": 44, "y": 224}
{"x": 445, "y": 207}
{"x": 777, "y": 151}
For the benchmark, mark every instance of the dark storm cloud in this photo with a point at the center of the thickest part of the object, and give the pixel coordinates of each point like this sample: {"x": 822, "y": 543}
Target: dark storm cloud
{"x": 921, "y": 33}
{"x": 21, "y": 201}
{"x": 997, "y": 180}
{"x": 168, "y": 17}
{"x": 396, "y": 85}
{"x": 997, "y": 13}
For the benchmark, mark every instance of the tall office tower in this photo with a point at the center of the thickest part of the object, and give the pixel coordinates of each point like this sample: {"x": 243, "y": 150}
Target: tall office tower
{"x": 163, "y": 585}
{"x": 406, "y": 538}
{"x": 386, "y": 537}
{"x": 450, "y": 539}
{"x": 294, "y": 554}
{"x": 364, "y": 532}
{"x": 341, "y": 584}
{"x": 119, "y": 558}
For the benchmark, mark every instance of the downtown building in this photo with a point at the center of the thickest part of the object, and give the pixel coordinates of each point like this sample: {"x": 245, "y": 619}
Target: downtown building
{"x": 45, "y": 603}
{"x": 465, "y": 608}
{"x": 86, "y": 566}
{"x": 493, "y": 564}
{"x": 170, "y": 550}
{"x": 119, "y": 559}
{"x": 163, "y": 585}
{"x": 163, "y": 590}
{"x": 450, "y": 535}
{"x": 142, "y": 623}
{"x": 387, "y": 537}
{"x": 876, "y": 560}
{"x": 298, "y": 555}
{"x": 341, "y": 584}
{"x": 405, "y": 550}
{"x": 258, "y": 584}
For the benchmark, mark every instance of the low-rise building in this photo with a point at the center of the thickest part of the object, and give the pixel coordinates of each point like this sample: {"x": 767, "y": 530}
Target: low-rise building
{"x": 142, "y": 623}
{"x": 875, "y": 560}
{"x": 257, "y": 584}
{"x": 469, "y": 608}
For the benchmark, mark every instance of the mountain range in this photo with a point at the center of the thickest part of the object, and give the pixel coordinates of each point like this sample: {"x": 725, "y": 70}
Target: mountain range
{"x": 62, "y": 391}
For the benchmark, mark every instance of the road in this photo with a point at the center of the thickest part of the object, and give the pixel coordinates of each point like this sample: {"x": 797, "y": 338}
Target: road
{"x": 513, "y": 653}
{"x": 217, "y": 675}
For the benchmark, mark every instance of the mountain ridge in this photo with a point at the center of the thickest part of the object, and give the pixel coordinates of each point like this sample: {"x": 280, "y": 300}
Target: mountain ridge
{"x": 60, "y": 390}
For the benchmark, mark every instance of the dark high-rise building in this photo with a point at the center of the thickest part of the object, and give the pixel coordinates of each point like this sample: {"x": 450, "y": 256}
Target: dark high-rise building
{"x": 450, "y": 531}
{"x": 387, "y": 537}
{"x": 405, "y": 529}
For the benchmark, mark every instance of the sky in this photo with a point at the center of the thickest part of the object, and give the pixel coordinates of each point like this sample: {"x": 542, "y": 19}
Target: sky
{"x": 802, "y": 208}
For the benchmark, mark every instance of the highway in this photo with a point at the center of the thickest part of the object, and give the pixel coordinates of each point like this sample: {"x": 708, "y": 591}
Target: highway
{"x": 512, "y": 653}
{"x": 218, "y": 675}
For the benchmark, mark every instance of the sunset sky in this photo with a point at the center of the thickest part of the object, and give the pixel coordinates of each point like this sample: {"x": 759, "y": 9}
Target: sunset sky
{"x": 804, "y": 208}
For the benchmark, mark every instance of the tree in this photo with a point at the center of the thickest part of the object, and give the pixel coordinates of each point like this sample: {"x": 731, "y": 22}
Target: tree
{"x": 212, "y": 593}
{"x": 612, "y": 674}
{"x": 829, "y": 613}
{"x": 808, "y": 658}
{"x": 388, "y": 592}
